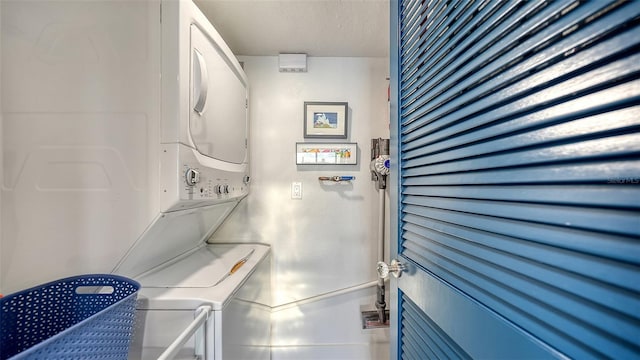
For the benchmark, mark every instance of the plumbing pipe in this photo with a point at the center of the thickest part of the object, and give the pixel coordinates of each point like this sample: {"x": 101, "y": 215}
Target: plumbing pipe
{"x": 381, "y": 196}
{"x": 381, "y": 304}
{"x": 325, "y": 295}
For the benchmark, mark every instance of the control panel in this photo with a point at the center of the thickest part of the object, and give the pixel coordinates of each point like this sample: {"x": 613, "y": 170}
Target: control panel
{"x": 195, "y": 182}
{"x": 203, "y": 183}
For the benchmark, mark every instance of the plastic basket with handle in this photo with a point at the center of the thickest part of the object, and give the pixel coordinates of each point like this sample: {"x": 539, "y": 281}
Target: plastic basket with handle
{"x": 81, "y": 317}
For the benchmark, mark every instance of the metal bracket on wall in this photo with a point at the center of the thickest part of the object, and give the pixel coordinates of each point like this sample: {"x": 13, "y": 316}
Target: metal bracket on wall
{"x": 336, "y": 178}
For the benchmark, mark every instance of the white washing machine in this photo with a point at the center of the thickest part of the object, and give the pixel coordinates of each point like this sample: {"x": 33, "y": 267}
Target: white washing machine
{"x": 212, "y": 303}
{"x": 125, "y": 143}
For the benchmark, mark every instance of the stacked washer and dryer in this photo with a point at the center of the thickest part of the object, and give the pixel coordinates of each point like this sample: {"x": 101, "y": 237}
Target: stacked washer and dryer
{"x": 125, "y": 144}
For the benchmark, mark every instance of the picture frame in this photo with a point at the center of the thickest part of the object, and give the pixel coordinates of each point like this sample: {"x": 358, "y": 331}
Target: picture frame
{"x": 328, "y": 120}
{"x": 326, "y": 153}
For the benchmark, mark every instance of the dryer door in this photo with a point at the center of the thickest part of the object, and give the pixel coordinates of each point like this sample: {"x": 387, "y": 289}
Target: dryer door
{"x": 218, "y": 124}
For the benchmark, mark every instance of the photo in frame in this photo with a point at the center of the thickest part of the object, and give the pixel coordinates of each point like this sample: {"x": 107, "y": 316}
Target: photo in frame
{"x": 326, "y": 120}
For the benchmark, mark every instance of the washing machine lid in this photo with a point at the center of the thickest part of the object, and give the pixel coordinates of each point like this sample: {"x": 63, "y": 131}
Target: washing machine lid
{"x": 200, "y": 277}
{"x": 206, "y": 267}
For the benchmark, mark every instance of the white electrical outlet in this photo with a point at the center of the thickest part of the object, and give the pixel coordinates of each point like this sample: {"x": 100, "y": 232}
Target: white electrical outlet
{"x": 296, "y": 190}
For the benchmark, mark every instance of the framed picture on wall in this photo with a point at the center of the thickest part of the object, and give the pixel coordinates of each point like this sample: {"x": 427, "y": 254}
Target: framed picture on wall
{"x": 326, "y": 120}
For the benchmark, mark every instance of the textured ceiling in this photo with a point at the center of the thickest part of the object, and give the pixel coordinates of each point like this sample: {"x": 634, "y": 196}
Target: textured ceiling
{"x": 315, "y": 27}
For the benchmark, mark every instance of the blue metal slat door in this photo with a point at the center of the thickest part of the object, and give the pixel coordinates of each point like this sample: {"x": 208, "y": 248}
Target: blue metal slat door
{"x": 516, "y": 140}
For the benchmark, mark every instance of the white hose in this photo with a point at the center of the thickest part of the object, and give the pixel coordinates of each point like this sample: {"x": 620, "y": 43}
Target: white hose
{"x": 326, "y": 295}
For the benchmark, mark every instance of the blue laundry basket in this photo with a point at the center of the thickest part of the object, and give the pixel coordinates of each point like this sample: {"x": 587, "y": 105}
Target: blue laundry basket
{"x": 81, "y": 317}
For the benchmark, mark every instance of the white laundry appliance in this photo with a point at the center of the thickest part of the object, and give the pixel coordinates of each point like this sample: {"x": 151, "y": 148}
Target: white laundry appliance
{"x": 125, "y": 145}
{"x": 215, "y": 298}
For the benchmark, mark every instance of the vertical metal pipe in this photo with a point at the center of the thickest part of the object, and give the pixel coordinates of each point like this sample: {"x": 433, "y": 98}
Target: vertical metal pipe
{"x": 381, "y": 212}
{"x": 381, "y": 304}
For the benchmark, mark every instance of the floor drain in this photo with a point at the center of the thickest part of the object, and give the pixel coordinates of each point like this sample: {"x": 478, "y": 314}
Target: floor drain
{"x": 371, "y": 320}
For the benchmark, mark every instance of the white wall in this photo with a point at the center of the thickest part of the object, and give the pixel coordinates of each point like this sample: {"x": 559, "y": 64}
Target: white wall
{"x": 327, "y": 240}
{"x": 80, "y": 104}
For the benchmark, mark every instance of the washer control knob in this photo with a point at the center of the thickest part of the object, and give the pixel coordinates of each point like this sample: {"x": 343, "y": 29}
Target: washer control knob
{"x": 217, "y": 189}
{"x": 192, "y": 176}
{"x": 225, "y": 189}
